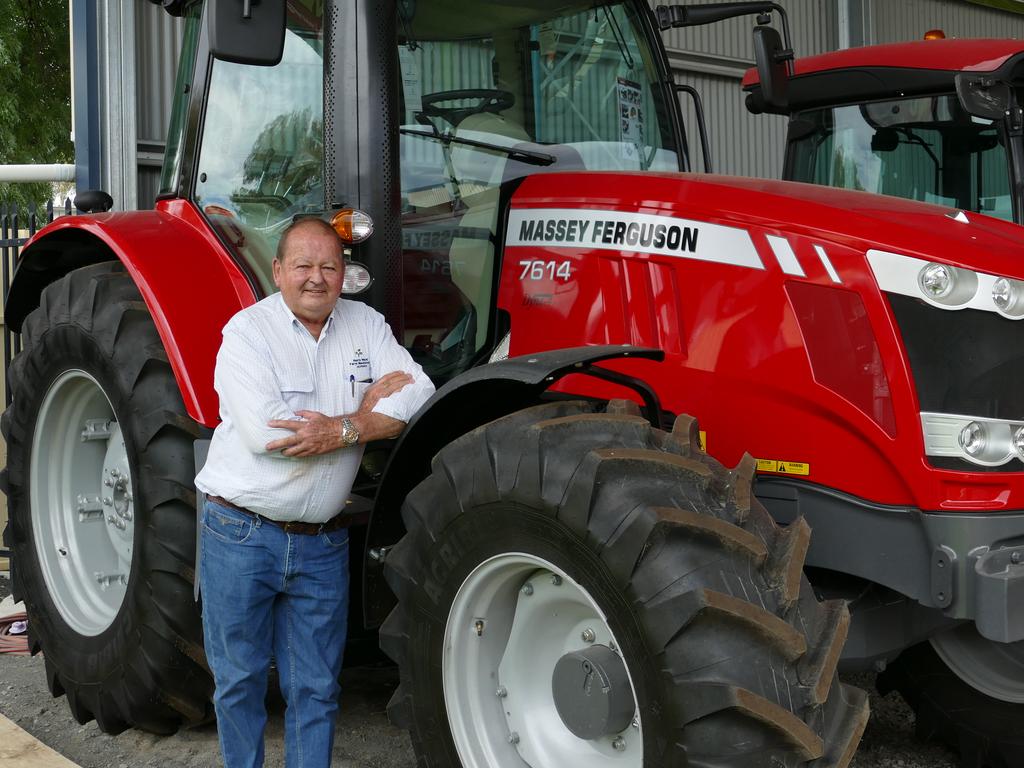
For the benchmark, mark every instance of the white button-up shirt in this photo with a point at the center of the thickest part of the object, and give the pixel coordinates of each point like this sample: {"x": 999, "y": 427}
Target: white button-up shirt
{"x": 268, "y": 367}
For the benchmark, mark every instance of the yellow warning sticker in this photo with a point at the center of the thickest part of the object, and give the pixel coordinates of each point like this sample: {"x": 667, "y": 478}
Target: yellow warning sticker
{"x": 783, "y": 467}
{"x": 702, "y": 436}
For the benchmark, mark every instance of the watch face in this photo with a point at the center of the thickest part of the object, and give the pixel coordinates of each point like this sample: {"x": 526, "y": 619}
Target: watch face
{"x": 349, "y": 434}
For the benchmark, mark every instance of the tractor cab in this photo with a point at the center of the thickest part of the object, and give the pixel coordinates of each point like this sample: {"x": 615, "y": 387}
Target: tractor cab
{"x": 489, "y": 94}
{"x": 934, "y": 120}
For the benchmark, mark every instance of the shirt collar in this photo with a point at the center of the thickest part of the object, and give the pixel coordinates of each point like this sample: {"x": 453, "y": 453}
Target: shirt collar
{"x": 296, "y": 323}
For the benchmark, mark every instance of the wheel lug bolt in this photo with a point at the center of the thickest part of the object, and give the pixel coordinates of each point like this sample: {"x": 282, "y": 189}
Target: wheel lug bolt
{"x": 556, "y": 579}
{"x": 1015, "y": 558}
{"x": 527, "y": 589}
{"x": 513, "y": 738}
{"x": 502, "y": 692}
{"x": 619, "y": 744}
{"x": 588, "y": 635}
{"x": 107, "y": 501}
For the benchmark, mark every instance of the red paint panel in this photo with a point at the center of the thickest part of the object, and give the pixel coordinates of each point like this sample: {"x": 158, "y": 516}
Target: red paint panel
{"x": 978, "y": 55}
{"x": 736, "y": 356}
{"x": 189, "y": 283}
{"x": 842, "y": 350}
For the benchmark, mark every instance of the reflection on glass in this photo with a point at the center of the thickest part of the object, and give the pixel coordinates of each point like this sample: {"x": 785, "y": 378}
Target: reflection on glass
{"x": 926, "y": 149}
{"x": 492, "y": 92}
{"x": 261, "y": 159}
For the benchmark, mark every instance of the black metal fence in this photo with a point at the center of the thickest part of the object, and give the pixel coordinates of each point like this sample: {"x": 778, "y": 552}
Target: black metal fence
{"x": 16, "y": 227}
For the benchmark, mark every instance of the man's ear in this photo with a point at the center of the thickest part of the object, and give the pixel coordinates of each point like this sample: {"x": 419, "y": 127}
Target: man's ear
{"x": 277, "y": 272}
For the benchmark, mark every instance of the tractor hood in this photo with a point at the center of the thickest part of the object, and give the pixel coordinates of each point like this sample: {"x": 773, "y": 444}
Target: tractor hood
{"x": 858, "y": 221}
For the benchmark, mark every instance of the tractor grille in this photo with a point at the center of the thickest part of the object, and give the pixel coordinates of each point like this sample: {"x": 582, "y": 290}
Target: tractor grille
{"x": 966, "y": 362}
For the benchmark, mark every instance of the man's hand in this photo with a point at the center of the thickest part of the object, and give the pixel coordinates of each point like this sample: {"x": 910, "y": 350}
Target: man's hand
{"x": 385, "y": 386}
{"x": 316, "y": 435}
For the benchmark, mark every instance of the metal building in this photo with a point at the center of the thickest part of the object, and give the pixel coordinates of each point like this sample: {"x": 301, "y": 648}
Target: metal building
{"x": 125, "y": 56}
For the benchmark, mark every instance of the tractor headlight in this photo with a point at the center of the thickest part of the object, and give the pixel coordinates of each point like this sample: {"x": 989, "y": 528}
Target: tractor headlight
{"x": 937, "y": 281}
{"x": 357, "y": 278}
{"x": 974, "y": 439}
{"x": 979, "y": 440}
{"x": 1018, "y": 441}
{"x": 1007, "y": 295}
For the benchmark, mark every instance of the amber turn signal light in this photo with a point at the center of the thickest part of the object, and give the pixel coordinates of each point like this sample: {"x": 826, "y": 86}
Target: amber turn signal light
{"x": 934, "y": 34}
{"x": 352, "y": 225}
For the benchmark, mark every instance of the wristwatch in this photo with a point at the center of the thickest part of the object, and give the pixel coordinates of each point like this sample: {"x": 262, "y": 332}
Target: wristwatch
{"x": 349, "y": 433}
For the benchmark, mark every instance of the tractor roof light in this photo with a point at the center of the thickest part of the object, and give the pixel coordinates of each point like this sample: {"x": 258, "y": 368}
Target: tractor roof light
{"x": 352, "y": 225}
{"x": 934, "y": 34}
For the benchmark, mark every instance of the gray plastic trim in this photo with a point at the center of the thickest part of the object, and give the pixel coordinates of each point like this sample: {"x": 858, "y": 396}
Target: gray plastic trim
{"x": 968, "y": 565}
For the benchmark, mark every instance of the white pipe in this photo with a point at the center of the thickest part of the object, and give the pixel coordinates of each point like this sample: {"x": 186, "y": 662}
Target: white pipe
{"x": 33, "y": 173}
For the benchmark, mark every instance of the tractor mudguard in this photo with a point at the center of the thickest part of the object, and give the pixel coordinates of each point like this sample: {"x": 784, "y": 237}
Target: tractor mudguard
{"x": 470, "y": 400}
{"x": 190, "y": 285}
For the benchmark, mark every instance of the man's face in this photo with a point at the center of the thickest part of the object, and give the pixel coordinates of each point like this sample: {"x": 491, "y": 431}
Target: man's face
{"x": 310, "y": 276}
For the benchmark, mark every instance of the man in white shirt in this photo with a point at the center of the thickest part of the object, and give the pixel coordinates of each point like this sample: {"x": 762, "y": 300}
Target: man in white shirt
{"x": 304, "y": 379}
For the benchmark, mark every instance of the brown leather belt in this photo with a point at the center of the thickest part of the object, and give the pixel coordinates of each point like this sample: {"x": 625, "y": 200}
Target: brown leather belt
{"x": 290, "y": 526}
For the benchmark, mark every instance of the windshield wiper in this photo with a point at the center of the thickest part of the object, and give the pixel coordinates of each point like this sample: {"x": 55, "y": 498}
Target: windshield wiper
{"x": 527, "y": 156}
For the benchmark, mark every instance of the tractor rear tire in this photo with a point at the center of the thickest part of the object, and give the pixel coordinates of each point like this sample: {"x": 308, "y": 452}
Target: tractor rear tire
{"x": 985, "y": 730}
{"x": 558, "y": 539}
{"x": 102, "y": 508}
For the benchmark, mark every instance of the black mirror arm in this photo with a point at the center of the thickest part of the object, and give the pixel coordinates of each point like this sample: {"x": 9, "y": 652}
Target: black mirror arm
{"x": 702, "y": 129}
{"x": 671, "y": 16}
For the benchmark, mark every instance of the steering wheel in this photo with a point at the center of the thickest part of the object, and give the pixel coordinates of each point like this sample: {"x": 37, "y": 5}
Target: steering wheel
{"x": 488, "y": 100}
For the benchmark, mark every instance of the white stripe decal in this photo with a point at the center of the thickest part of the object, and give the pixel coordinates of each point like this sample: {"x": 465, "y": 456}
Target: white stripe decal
{"x": 827, "y": 264}
{"x": 632, "y": 233}
{"x": 785, "y": 256}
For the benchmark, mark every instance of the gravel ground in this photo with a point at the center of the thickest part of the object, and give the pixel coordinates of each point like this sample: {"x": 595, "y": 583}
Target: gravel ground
{"x": 364, "y": 736}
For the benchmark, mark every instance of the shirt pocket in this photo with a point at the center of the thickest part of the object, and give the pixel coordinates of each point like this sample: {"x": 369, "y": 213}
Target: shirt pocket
{"x": 297, "y": 392}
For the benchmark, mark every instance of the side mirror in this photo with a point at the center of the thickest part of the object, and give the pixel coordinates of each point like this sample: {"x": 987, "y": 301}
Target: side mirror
{"x": 247, "y": 31}
{"x": 772, "y": 70}
{"x": 983, "y": 95}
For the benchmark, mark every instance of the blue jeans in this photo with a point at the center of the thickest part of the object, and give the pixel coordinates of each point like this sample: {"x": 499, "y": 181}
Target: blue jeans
{"x": 270, "y": 593}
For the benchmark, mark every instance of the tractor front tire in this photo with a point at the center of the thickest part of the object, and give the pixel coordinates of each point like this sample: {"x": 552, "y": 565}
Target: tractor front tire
{"x": 578, "y": 588}
{"x": 967, "y": 692}
{"x": 102, "y": 508}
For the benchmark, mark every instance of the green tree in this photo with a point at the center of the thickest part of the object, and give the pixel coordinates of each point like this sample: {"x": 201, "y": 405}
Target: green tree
{"x": 35, "y": 107}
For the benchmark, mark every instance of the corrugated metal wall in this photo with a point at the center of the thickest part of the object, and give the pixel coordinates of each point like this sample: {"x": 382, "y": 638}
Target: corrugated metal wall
{"x": 892, "y": 22}
{"x": 711, "y": 58}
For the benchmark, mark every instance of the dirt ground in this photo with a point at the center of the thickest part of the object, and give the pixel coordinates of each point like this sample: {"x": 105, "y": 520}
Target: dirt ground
{"x": 364, "y": 738}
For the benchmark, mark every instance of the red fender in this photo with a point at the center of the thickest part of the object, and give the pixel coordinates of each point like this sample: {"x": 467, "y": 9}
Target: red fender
{"x": 187, "y": 279}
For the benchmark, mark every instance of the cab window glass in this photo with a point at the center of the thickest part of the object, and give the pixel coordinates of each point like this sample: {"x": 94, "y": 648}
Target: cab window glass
{"x": 492, "y": 92}
{"x": 261, "y": 159}
{"x": 926, "y": 149}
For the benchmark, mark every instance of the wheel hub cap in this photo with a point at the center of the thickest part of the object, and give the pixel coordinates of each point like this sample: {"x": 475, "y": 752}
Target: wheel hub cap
{"x": 592, "y": 692}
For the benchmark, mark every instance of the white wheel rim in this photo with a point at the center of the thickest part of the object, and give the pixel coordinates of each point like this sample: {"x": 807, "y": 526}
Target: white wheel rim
{"x": 81, "y": 500}
{"x": 995, "y": 669}
{"x": 500, "y": 650}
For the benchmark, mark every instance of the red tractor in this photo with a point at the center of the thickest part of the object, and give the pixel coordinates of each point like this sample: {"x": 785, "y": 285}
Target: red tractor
{"x": 936, "y": 120}
{"x": 556, "y": 556}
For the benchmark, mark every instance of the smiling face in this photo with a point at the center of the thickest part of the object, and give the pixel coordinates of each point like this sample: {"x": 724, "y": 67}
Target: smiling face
{"x": 309, "y": 273}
